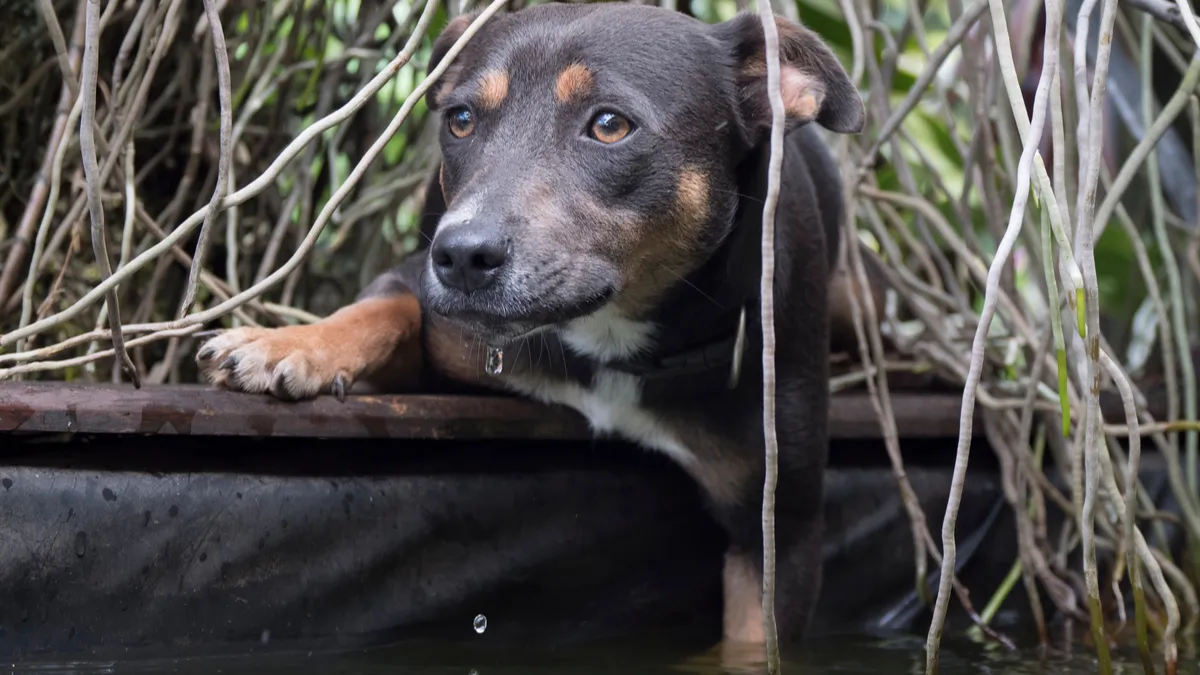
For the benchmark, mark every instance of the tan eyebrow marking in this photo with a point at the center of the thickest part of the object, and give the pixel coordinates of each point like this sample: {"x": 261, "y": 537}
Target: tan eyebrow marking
{"x": 573, "y": 83}
{"x": 493, "y": 89}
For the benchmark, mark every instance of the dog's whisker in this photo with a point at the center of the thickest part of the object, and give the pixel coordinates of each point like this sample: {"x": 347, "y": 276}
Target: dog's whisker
{"x": 517, "y": 358}
{"x": 689, "y": 283}
{"x": 563, "y": 352}
{"x": 757, "y": 199}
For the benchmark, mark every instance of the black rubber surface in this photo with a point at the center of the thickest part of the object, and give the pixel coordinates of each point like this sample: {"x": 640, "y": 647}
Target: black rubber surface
{"x": 110, "y": 543}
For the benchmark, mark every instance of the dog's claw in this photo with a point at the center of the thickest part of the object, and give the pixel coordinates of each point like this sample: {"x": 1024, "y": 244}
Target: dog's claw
{"x": 279, "y": 386}
{"x": 205, "y": 354}
{"x": 339, "y": 387}
{"x": 230, "y": 363}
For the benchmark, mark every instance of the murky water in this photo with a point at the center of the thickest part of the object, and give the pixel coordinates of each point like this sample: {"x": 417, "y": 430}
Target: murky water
{"x": 843, "y": 657}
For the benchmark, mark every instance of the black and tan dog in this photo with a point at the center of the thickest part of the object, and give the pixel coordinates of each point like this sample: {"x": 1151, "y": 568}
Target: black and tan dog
{"x": 598, "y": 221}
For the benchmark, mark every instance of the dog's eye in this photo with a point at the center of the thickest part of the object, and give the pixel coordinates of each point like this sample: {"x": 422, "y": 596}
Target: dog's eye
{"x": 609, "y": 127}
{"x": 460, "y": 121}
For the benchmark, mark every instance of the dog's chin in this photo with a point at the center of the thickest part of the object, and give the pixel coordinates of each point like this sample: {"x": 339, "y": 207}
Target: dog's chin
{"x": 500, "y": 328}
{"x": 507, "y": 335}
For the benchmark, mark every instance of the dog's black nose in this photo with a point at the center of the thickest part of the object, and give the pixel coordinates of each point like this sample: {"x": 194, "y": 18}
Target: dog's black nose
{"x": 468, "y": 258}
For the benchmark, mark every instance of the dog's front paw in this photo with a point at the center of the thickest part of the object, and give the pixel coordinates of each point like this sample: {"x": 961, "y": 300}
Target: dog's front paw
{"x": 292, "y": 363}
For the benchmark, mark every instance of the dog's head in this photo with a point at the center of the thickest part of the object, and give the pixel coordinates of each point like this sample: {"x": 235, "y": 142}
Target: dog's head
{"x": 589, "y": 154}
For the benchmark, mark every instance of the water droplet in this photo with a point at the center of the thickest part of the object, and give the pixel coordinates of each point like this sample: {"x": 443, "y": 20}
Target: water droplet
{"x": 495, "y": 361}
{"x": 81, "y": 544}
{"x": 480, "y": 624}
{"x": 266, "y": 636}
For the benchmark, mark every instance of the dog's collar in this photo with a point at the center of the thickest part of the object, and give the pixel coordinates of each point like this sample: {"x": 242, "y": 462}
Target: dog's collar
{"x": 715, "y": 364}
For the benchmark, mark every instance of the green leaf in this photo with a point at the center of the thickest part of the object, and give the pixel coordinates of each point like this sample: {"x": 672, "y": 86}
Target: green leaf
{"x": 1064, "y": 402}
{"x": 1081, "y": 312}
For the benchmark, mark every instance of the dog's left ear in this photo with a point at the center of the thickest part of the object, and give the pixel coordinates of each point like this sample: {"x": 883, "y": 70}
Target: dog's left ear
{"x": 814, "y": 84}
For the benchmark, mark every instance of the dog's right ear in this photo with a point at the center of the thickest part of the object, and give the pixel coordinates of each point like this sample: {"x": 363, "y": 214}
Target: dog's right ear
{"x": 450, "y": 34}
{"x": 814, "y": 84}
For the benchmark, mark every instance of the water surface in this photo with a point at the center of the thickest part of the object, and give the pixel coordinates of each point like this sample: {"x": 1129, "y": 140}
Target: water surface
{"x": 843, "y": 656}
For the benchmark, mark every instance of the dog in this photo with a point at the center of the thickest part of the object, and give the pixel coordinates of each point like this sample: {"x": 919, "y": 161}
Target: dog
{"x": 594, "y": 235}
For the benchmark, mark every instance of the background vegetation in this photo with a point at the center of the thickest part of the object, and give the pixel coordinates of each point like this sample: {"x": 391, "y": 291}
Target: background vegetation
{"x": 275, "y": 129}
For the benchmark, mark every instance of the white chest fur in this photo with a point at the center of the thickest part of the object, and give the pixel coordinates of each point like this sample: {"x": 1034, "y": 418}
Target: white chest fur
{"x": 612, "y": 403}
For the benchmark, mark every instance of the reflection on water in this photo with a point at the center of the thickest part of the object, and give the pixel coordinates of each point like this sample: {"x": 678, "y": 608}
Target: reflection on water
{"x": 863, "y": 656}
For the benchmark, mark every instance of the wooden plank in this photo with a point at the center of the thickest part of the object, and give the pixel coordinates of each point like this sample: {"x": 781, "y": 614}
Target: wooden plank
{"x": 918, "y": 415}
{"x": 203, "y": 411}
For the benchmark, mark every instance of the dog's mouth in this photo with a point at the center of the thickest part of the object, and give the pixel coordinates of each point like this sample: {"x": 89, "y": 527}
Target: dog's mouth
{"x": 502, "y": 323}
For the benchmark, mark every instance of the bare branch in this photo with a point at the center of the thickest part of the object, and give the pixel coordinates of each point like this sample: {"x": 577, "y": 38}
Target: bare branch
{"x": 767, "y": 299}
{"x": 70, "y": 79}
{"x": 1016, "y": 219}
{"x": 87, "y": 145}
{"x": 225, "y": 93}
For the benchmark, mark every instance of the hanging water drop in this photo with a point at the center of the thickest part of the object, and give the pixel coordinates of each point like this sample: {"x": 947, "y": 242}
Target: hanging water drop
{"x": 480, "y": 624}
{"x": 494, "y": 365}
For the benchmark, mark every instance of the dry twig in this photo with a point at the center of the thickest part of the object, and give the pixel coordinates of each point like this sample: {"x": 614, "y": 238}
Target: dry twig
{"x": 767, "y": 299}
{"x": 226, "y": 159}
{"x": 87, "y": 145}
